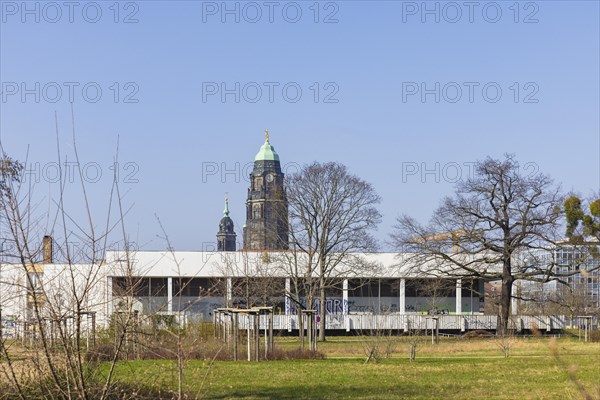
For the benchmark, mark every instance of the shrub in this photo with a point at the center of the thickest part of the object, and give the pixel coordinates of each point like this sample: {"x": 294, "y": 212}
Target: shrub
{"x": 296, "y": 354}
{"x": 477, "y": 334}
{"x": 102, "y": 352}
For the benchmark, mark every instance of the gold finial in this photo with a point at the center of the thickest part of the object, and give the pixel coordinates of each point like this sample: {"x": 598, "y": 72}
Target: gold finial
{"x": 267, "y": 135}
{"x": 226, "y": 210}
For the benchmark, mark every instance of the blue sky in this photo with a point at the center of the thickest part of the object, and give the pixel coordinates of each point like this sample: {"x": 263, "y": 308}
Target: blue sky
{"x": 183, "y": 145}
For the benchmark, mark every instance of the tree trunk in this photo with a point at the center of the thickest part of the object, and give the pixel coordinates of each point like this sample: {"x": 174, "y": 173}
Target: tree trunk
{"x": 505, "y": 299}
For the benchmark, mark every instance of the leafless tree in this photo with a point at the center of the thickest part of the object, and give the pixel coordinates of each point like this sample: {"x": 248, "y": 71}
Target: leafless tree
{"x": 500, "y": 224}
{"x": 300, "y": 267}
{"x": 435, "y": 289}
{"x": 58, "y": 297}
{"x": 332, "y": 214}
{"x": 254, "y": 277}
{"x": 572, "y": 300}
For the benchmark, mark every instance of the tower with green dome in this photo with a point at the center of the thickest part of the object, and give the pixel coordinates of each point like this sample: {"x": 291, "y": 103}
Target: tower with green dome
{"x": 267, "y": 207}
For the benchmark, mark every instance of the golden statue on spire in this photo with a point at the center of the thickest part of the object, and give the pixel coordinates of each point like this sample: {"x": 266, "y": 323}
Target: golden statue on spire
{"x": 226, "y": 210}
{"x": 267, "y": 135}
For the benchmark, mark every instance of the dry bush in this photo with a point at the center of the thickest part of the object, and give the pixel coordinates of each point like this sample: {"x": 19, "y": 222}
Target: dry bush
{"x": 102, "y": 352}
{"x": 296, "y": 354}
{"x": 164, "y": 347}
{"x": 477, "y": 334}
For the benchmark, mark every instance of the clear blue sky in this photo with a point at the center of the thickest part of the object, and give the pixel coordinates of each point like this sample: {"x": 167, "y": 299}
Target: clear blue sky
{"x": 371, "y": 61}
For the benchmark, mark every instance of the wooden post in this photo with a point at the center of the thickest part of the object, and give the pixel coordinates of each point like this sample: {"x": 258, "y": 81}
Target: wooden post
{"x": 236, "y": 335}
{"x": 432, "y": 338}
{"x": 266, "y": 317}
{"x": 223, "y": 316}
{"x": 314, "y": 318}
{"x": 257, "y": 336}
{"x": 301, "y": 327}
{"x": 248, "y": 337}
{"x": 587, "y": 327}
{"x": 271, "y": 338}
{"x": 94, "y": 329}
{"x": 135, "y": 334}
{"x": 87, "y": 331}
{"x": 230, "y": 330}
{"x": 225, "y": 328}
{"x": 219, "y": 324}
{"x": 215, "y": 323}
{"x": 310, "y": 330}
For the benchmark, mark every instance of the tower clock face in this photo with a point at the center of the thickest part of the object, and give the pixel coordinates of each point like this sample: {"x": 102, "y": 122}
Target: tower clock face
{"x": 270, "y": 177}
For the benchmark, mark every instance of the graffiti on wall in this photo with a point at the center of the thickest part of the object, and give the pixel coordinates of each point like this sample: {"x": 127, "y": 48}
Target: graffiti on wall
{"x": 9, "y": 326}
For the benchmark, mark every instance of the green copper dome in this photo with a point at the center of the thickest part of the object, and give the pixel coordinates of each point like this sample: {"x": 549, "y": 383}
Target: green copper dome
{"x": 266, "y": 152}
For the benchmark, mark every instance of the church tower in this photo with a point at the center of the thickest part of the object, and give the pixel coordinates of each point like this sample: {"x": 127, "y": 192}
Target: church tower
{"x": 226, "y": 236}
{"x": 267, "y": 207}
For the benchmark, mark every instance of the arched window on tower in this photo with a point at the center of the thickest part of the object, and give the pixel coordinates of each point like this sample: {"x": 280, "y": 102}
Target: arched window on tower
{"x": 258, "y": 183}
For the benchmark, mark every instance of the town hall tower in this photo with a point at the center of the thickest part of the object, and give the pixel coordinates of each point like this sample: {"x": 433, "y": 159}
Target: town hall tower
{"x": 266, "y": 207}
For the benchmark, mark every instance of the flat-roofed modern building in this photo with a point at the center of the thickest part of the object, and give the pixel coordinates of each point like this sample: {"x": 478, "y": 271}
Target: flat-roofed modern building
{"x": 195, "y": 283}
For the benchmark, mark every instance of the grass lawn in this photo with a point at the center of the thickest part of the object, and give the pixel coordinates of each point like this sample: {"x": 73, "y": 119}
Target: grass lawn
{"x": 472, "y": 369}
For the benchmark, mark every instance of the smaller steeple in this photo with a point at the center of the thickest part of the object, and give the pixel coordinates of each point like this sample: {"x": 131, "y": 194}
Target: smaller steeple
{"x": 226, "y": 236}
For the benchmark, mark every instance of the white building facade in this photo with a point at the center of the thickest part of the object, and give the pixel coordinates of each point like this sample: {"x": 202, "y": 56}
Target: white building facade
{"x": 193, "y": 284}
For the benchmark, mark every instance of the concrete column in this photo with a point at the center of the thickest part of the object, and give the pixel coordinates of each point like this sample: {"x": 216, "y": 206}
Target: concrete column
{"x": 170, "y": 294}
{"x": 402, "y": 307}
{"x": 288, "y": 307}
{"x": 345, "y": 305}
{"x": 458, "y": 296}
{"x": 229, "y": 293}
{"x": 514, "y": 301}
{"x": 379, "y": 296}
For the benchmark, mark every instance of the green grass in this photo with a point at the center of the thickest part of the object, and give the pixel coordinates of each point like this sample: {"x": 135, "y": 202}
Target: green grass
{"x": 450, "y": 370}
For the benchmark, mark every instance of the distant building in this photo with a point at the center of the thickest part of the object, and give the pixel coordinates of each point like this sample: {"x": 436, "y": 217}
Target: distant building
{"x": 267, "y": 206}
{"x": 226, "y": 236}
{"x": 581, "y": 294}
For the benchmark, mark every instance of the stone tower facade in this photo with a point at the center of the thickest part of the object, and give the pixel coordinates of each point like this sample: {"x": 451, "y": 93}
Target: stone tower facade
{"x": 226, "y": 237}
{"x": 267, "y": 207}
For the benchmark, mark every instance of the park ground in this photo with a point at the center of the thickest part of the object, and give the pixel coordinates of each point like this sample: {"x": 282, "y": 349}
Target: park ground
{"x": 537, "y": 368}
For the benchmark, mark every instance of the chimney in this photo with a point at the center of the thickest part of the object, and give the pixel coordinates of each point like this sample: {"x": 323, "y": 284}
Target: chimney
{"x": 47, "y": 249}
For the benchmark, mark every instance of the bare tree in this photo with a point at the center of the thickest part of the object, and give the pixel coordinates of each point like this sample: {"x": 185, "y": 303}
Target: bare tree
{"x": 58, "y": 298}
{"x": 250, "y": 279}
{"x": 332, "y": 213}
{"x": 436, "y": 290}
{"x": 300, "y": 267}
{"x": 501, "y": 224}
{"x": 573, "y": 300}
